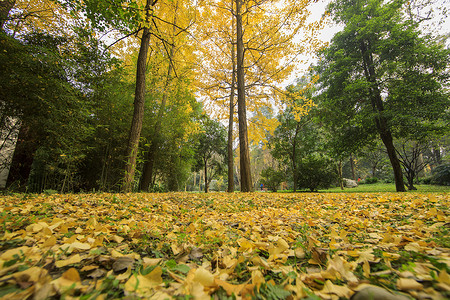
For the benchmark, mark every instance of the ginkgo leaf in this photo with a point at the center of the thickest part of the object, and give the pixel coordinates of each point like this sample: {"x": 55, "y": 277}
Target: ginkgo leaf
{"x": 406, "y": 284}
{"x": 74, "y": 259}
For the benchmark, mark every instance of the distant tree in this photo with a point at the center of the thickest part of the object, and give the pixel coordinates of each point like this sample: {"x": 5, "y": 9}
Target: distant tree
{"x": 272, "y": 178}
{"x": 297, "y": 135}
{"x": 211, "y": 149}
{"x": 410, "y": 154}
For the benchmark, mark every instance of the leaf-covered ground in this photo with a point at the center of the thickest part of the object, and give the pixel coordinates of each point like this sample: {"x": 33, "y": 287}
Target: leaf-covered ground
{"x": 239, "y": 246}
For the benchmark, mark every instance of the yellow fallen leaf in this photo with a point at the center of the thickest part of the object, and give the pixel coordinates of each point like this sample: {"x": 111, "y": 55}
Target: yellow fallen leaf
{"x": 229, "y": 288}
{"x": 150, "y": 262}
{"x": 341, "y": 291}
{"x": 117, "y": 239}
{"x": 282, "y": 245}
{"x": 366, "y": 269}
{"x": 50, "y": 242}
{"x": 116, "y": 254}
{"x": 124, "y": 275}
{"x": 406, "y": 284}
{"x": 72, "y": 275}
{"x": 257, "y": 278}
{"x": 444, "y": 277}
{"x": 144, "y": 285}
{"x": 80, "y": 246}
{"x": 74, "y": 259}
{"x": 69, "y": 281}
{"x": 204, "y": 277}
{"x": 12, "y": 253}
{"x": 89, "y": 268}
{"x": 33, "y": 274}
{"x": 413, "y": 247}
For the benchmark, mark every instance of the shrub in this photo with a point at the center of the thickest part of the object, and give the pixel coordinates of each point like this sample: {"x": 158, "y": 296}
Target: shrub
{"x": 316, "y": 172}
{"x": 441, "y": 175}
{"x": 371, "y": 180}
{"x": 271, "y": 178}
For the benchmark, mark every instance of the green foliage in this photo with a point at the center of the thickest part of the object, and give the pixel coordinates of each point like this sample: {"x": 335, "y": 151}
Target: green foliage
{"x": 379, "y": 75}
{"x": 270, "y": 292}
{"x": 272, "y": 178}
{"x": 316, "y": 172}
{"x": 441, "y": 175}
{"x": 210, "y": 151}
{"x": 370, "y": 180}
{"x": 40, "y": 88}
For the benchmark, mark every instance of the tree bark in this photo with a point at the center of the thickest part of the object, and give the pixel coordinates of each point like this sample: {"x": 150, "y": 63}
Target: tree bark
{"x": 231, "y": 118}
{"x": 246, "y": 178}
{"x": 139, "y": 102}
{"x": 206, "y": 175}
{"x": 294, "y": 156}
{"x": 352, "y": 167}
{"x": 339, "y": 169}
{"x": 380, "y": 120}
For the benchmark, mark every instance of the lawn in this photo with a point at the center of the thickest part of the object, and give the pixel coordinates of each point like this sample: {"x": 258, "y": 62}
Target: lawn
{"x": 225, "y": 246}
{"x": 389, "y": 187}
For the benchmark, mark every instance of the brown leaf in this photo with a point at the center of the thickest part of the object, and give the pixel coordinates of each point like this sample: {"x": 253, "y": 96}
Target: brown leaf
{"x": 123, "y": 263}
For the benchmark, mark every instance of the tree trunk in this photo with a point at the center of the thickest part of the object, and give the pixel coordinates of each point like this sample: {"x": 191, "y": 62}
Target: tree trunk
{"x": 339, "y": 169}
{"x": 5, "y": 8}
{"x": 294, "y": 156}
{"x": 380, "y": 120}
{"x": 138, "y": 113}
{"x": 246, "y": 177}
{"x": 22, "y": 159}
{"x": 231, "y": 118}
{"x": 206, "y": 176}
{"x": 352, "y": 167}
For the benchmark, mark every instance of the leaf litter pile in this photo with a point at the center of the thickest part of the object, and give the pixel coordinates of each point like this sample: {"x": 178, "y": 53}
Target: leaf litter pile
{"x": 225, "y": 246}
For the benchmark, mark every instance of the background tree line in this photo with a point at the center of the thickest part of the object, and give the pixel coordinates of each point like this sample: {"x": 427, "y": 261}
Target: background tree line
{"x": 374, "y": 106}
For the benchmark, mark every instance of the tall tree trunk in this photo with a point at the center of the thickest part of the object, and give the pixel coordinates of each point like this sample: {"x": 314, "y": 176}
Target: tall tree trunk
{"x": 22, "y": 160}
{"x": 339, "y": 169}
{"x": 5, "y": 8}
{"x": 380, "y": 120}
{"x": 206, "y": 175}
{"x": 139, "y": 102}
{"x": 294, "y": 156}
{"x": 231, "y": 118}
{"x": 352, "y": 167}
{"x": 246, "y": 177}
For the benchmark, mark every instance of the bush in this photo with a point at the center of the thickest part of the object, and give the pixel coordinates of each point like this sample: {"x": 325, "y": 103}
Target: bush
{"x": 271, "y": 178}
{"x": 441, "y": 175}
{"x": 315, "y": 173}
{"x": 371, "y": 180}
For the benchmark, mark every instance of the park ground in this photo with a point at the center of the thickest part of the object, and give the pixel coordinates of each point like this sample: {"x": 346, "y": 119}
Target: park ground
{"x": 225, "y": 246}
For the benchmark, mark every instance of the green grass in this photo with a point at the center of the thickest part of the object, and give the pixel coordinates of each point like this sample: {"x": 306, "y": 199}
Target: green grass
{"x": 381, "y": 188}
{"x": 388, "y": 187}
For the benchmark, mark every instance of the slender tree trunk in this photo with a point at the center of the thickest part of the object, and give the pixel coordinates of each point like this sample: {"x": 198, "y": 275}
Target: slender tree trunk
{"x": 294, "y": 156}
{"x": 380, "y": 120}
{"x": 246, "y": 177}
{"x": 341, "y": 180}
{"x": 352, "y": 167}
{"x": 5, "y": 8}
{"x": 206, "y": 176}
{"x": 231, "y": 118}
{"x": 139, "y": 102}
